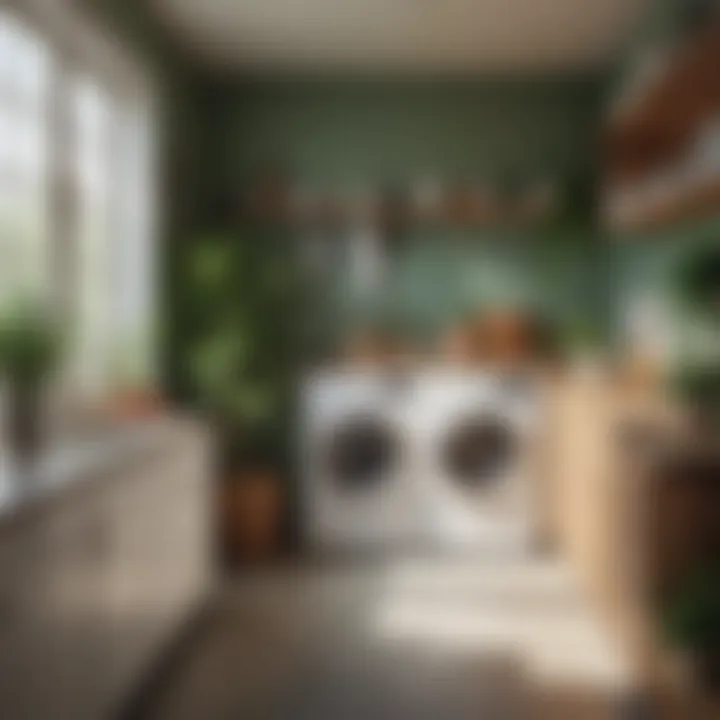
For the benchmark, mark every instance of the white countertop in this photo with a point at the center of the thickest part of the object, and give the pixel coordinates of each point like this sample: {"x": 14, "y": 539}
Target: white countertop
{"x": 65, "y": 464}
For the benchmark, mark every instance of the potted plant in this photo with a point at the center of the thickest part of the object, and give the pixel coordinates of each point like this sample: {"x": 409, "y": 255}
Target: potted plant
{"x": 29, "y": 353}
{"x": 692, "y": 624}
{"x": 239, "y": 364}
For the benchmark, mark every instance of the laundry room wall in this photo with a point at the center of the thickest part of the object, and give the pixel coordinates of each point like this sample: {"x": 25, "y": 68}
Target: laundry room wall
{"x": 374, "y": 133}
{"x": 436, "y": 278}
{"x": 349, "y": 131}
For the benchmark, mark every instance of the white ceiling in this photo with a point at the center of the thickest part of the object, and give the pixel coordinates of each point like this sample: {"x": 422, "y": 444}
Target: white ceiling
{"x": 414, "y": 35}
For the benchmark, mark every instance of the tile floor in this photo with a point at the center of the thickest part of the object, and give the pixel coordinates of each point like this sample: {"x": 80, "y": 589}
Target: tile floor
{"x": 402, "y": 640}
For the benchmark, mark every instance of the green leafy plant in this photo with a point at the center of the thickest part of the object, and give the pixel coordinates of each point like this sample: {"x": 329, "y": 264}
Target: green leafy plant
{"x": 698, "y": 386}
{"x": 30, "y": 351}
{"x": 30, "y": 345}
{"x": 242, "y": 297}
{"x": 692, "y": 616}
{"x": 583, "y": 335}
{"x": 698, "y": 280}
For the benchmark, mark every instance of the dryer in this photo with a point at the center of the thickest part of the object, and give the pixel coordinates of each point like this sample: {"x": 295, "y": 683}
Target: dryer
{"x": 475, "y": 438}
{"x": 358, "y": 488}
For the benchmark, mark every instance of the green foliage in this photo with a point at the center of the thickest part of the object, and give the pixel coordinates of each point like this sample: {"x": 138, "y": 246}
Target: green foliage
{"x": 698, "y": 281}
{"x": 242, "y": 302}
{"x": 584, "y": 334}
{"x": 692, "y": 617}
{"x": 698, "y": 385}
{"x": 30, "y": 345}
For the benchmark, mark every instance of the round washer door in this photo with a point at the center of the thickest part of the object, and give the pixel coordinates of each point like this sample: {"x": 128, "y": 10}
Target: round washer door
{"x": 361, "y": 452}
{"x": 477, "y": 450}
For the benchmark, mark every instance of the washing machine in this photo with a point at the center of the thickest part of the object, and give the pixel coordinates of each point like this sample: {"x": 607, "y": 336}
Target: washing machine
{"x": 475, "y": 439}
{"x": 357, "y": 487}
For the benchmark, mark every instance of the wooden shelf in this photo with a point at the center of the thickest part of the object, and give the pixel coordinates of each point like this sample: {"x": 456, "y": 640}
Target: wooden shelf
{"x": 677, "y": 98}
{"x": 651, "y": 138}
{"x": 693, "y": 198}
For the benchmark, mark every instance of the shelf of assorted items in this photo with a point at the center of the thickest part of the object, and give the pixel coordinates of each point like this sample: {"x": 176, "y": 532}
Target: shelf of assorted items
{"x": 662, "y": 141}
{"x": 680, "y": 193}
{"x": 430, "y": 204}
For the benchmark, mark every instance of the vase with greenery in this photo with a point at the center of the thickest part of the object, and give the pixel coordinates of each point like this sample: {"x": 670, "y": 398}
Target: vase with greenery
{"x": 29, "y": 354}
{"x": 692, "y": 624}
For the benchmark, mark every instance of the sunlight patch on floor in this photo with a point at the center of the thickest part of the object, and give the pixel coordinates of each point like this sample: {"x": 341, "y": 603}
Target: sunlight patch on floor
{"x": 529, "y": 609}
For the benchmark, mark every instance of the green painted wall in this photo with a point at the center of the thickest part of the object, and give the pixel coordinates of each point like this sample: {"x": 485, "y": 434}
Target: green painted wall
{"x": 363, "y": 132}
{"x": 354, "y": 131}
{"x": 348, "y": 131}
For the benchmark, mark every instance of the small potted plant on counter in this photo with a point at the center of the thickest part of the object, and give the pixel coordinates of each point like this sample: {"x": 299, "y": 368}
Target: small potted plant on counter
{"x": 692, "y": 624}
{"x": 29, "y": 354}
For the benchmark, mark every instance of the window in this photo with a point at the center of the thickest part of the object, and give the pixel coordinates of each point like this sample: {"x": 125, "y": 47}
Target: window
{"x": 105, "y": 194}
{"x": 115, "y": 259}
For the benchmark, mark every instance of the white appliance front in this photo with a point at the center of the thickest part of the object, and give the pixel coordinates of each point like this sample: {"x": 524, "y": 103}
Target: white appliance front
{"x": 356, "y": 451}
{"x": 473, "y": 437}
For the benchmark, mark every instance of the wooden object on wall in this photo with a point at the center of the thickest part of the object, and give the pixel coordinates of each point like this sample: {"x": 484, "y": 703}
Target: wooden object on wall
{"x": 693, "y": 199}
{"x": 669, "y": 111}
{"x": 654, "y": 135}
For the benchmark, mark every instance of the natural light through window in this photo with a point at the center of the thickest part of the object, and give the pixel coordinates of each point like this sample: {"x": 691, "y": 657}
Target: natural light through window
{"x": 24, "y": 76}
{"x": 77, "y": 193}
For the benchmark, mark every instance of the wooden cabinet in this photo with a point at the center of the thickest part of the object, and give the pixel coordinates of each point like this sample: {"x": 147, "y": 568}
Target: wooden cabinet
{"x": 95, "y": 582}
{"x": 613, "y": 512}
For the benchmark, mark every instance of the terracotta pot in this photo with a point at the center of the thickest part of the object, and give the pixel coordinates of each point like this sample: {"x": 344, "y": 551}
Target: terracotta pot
{"x": 507, "y": 337}
{"x": 369, "y": 349}
{"x": 135, "y": 405}
{"x": 460, "y": 345}
{"x": 252, "y": 505}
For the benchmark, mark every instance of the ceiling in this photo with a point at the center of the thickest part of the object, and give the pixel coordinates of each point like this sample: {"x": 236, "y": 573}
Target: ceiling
{"x": 406, "y": 35}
